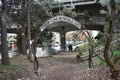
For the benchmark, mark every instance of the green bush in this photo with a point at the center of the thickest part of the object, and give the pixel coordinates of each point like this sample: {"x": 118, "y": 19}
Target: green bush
{"x": 115, "y": 54}
{"x": 77, "y": 48}
{"x": 112, "y": 56}
{"x": 83, "y": 48}
{"x": 78, "y": 58}
{"x": 101, "y": 62}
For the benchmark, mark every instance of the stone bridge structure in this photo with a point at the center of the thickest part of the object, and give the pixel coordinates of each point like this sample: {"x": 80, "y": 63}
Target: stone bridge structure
{"x": 88, "y": 15}
{"x": 63, "y": 24}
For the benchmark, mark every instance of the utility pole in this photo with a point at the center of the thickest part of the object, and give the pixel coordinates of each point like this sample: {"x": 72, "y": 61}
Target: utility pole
{"x": 29, "y": 34}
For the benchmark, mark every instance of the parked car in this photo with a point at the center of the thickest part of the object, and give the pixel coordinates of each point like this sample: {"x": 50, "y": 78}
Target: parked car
{"x": 56, "y": 47}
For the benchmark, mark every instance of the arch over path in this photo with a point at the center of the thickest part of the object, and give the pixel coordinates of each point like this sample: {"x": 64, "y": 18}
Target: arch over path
{"x": 64, "y": 20}
{"x": 63, "y": 24}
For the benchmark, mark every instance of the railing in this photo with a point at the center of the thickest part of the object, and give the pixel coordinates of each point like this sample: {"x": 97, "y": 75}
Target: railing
{"x": 72, "y": 3}
{"x": 99, "y": 48}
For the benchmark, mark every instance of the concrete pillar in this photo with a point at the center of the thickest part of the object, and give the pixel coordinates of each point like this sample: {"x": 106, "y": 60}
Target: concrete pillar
{"x": 63, "y": 40}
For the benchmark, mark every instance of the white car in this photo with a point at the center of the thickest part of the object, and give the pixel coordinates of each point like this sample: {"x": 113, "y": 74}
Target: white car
{"x": 56, "y": 47}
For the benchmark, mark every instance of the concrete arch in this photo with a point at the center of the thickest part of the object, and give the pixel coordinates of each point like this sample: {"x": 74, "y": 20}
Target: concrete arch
{"x": 60, "y": 18}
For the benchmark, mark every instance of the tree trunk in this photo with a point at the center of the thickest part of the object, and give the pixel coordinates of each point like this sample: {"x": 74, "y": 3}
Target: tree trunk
{"x": 5, "y": 56}
{"x": 30, "y": 57}
{"x": 36, "y": 64}
{"x": 89, "y": 38}
{"x": 23, "y": 42}
{"x": 90, "y": 56}
{"x": 35, "y": 38}
{"x": 108, "y": 42}
{"x": 23, "y": 31}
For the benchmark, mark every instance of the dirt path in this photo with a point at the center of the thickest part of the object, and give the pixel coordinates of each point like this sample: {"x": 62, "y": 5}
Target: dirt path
{"x": 58, "y": 67}
{"x": 65, "y": 67}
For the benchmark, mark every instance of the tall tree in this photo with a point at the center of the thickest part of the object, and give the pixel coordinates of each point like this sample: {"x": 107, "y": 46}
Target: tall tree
{"x": 39, "y": 13}
{"x": 109, "y": 62}
{"x": 5, "y": 56}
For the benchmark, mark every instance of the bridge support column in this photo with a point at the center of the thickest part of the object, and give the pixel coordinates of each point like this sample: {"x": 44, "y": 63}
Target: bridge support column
{"x": 63, "y": 41}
